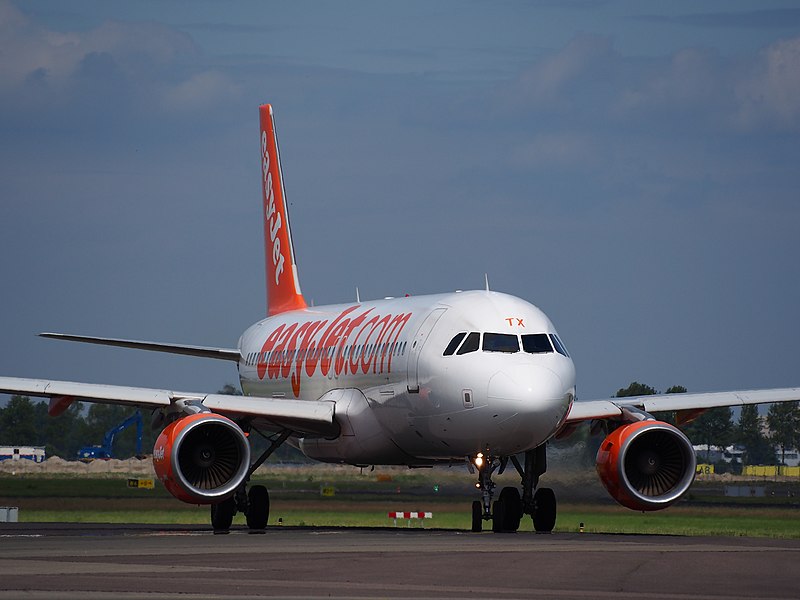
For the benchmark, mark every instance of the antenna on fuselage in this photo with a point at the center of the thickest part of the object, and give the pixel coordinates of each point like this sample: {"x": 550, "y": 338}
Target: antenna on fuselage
{"x": 358, "y": 296}
{"x": 486, "y": 276}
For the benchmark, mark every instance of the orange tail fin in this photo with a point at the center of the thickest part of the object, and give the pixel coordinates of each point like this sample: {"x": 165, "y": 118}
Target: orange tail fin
{"x": 283, "y": 286}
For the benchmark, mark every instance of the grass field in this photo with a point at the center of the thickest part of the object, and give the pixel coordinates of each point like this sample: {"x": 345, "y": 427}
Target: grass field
{"x": 364, "y": 500}
{"x": 777, "y": 523}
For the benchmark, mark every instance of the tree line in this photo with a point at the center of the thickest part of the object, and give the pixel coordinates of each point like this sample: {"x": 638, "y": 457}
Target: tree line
{"x": 764, "y": 440}
{"x": 25, "y": 422}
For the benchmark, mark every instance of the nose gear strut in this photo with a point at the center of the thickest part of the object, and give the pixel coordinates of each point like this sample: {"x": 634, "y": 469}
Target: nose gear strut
{"x": 486, "y": 465}
{"x": 506, "y": 512}
{"x": 482, "y": 509}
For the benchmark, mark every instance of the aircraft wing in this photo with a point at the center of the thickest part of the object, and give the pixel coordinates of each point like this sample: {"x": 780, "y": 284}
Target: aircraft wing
{"x": 301, "y": 416}
{"x": 204, "y": 351}
{"x": 608, "y": 409}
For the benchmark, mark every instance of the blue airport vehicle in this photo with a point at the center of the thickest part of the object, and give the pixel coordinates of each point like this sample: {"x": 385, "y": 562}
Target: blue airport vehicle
{"x": 105, "y": 450}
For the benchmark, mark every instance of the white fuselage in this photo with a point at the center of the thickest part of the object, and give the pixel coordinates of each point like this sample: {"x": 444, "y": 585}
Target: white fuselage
{"x": 407, "y": 400}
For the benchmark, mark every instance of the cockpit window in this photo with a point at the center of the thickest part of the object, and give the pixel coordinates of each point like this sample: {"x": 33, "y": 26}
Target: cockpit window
{"x": 559, "y": 345}
{"x": 470, "y": 344}
{"x": 536, "y": 343}
{"x": 500, "y": 342}
{"x": 451, "y": 347}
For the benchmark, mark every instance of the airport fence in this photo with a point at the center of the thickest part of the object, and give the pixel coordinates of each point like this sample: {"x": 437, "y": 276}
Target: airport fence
{"x": 771, "y": 471}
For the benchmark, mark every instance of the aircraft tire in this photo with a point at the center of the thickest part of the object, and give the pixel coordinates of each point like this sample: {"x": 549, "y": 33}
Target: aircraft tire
{"x": 477, "y": 516}
{"x": 222, "y": 514}
{"x": 512, "y": 513}
{"x": 258, "y": 507}
{"x": 498, "y": 516}
{"x": 544, "y": 512}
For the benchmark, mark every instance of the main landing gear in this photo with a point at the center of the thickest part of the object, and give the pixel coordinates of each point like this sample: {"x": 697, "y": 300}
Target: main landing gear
{"x": 254, "y": 503}
{"x": 506, "y": 512}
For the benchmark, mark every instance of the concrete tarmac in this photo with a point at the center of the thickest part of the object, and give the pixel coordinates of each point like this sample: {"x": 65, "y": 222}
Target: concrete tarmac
{"x": 132, "y": 562}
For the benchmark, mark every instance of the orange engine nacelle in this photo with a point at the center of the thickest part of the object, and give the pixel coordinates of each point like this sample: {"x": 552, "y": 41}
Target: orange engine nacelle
{"x": 647, "y": 465}
{"x": 202, "y": 458}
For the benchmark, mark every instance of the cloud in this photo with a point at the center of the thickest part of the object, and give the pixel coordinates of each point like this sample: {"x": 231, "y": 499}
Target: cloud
{"x": 770, "y": 94}
{"x": 693, "y": 88}
{"x": 200, "y": 91}
{"x": 690, "y": 78}
{"x": 237, "y": 28}
{"x": 549, "y": 81}
{"x": 690, "y": 132}
{"x": 557, "y": 150}
{"x": 115, "y": 65}
{"x": 134, "y": 46}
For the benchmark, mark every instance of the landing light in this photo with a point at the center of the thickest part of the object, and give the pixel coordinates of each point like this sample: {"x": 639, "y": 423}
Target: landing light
{"x": 479, "y": 460}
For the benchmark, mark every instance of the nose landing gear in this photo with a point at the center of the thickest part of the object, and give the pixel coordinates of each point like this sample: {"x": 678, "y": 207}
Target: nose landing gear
{"x": 482, "y": 509}
{"x": 506, "y": 512}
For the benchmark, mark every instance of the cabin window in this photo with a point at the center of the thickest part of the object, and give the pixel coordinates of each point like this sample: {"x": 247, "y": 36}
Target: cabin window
{"x": 451, "y": 347}
{"x": 536, "y": 343}
{"x": 500, "y": 342}
{"x": 559, "y": 345}
{"x": 471, "y": 343}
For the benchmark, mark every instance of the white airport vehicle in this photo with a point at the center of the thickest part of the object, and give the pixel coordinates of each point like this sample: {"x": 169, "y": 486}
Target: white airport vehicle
{"x": 33, "y": 453}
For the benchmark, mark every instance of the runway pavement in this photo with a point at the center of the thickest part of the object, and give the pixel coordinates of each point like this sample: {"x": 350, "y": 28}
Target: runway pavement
{"x": 133, "y": 562}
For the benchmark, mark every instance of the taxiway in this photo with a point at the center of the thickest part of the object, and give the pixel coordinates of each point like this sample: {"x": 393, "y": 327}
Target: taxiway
{"x": 132, "y": 562}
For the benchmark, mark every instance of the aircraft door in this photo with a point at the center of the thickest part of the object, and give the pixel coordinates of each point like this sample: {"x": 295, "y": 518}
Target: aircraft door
{"x": 416, "y": 347}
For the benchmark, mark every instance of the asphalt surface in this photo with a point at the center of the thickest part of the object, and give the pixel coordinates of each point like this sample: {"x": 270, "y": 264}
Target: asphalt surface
{"x": 132, "y": 562}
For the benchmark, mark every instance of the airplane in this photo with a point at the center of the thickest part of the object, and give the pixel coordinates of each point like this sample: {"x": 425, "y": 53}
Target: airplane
{"x": 476, "y": 377}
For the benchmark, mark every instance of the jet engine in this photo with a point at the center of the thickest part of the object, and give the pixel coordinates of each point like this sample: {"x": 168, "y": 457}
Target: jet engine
{"x": 202, "y": 458}
{"x": 647, "y": 465}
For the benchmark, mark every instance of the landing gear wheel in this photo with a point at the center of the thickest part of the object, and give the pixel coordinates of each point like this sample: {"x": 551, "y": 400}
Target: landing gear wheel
{"x": 498, "y": 516}
{"x": 544, "y": 510}
{"x": 222, "y": 514}
{"x": 512, "y": 513}
{"x": 477, "y": 516}
{"x": 258, "y": 507}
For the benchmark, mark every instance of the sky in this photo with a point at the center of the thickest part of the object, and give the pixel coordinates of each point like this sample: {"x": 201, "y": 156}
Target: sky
{"x": 631, "y": 168}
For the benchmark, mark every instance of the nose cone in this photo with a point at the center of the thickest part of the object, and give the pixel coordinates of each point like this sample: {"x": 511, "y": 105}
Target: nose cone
{"x": 534, "y": 398}
{"x": 525, "y": 383}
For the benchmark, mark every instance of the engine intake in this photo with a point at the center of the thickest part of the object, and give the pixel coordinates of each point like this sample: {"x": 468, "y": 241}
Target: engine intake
{"x": 202, "y": 458}
{"x": 647, "y": 465}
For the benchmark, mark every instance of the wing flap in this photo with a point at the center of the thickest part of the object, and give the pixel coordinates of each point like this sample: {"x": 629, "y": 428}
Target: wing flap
{"x": 604, "y": 409}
